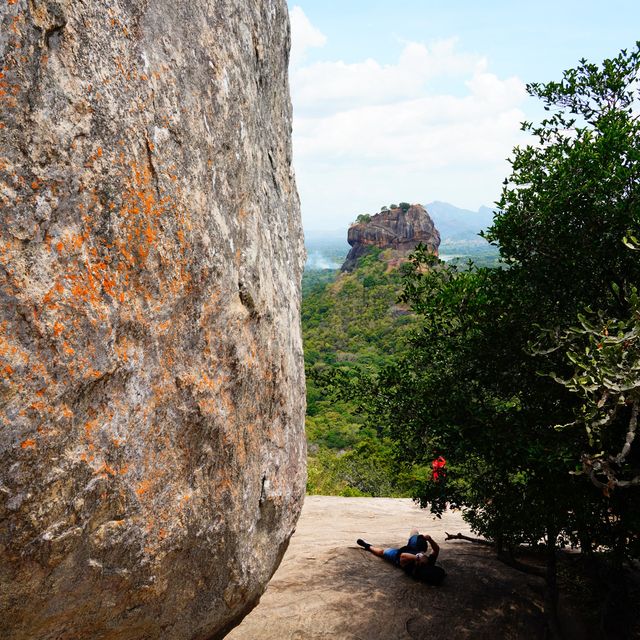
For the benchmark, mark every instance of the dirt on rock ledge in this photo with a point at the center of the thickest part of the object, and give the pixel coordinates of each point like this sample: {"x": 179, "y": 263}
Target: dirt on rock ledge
{"x": 328, "y": 588}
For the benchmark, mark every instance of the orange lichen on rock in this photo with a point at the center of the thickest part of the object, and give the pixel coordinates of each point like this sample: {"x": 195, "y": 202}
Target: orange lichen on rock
{"x": 89, "y": 428}
{"x": 39, "y": 406}
{"x": 140, "y": 210}
{"x": 68, "y": 350}
{"x": 28, "y": 444}
{"x": 66, "y": 412}
{"x": 105, "y": 470}
{"x": 143, "y": 487}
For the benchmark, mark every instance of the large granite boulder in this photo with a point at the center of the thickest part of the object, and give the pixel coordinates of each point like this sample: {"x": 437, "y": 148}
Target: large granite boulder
{"x": 400, "y": 229}
{"x": 151, "y": 376}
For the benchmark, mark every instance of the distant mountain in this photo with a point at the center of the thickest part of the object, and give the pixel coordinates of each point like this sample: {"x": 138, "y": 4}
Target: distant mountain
{"x": 458, "y": 232}
{"x": 454, "y": 223}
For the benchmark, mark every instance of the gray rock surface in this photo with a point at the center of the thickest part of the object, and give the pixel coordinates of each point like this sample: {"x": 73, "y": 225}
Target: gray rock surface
{"x": 327, "y": 587}
{"x": 151, "y": 375}
{"x": 396, "y": 229}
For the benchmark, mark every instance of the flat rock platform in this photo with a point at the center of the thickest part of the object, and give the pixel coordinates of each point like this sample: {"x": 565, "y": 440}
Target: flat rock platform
{"x": 328, "y": 588}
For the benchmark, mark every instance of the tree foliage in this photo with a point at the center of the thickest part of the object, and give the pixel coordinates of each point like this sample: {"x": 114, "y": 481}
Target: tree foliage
{"x": 569, "y": 206}
{"x": 478, "y": 388}
{"x": 573, "y": 195}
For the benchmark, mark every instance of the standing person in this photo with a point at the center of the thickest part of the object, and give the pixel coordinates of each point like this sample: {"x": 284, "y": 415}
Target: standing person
{"x": 414, "y": 558}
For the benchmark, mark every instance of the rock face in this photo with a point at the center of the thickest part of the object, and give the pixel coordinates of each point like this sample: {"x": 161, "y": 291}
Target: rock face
{"x": 398, "y": 229}
{"x": 151, "y": 377}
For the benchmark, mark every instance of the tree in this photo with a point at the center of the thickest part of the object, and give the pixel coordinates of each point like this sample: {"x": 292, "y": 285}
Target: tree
{"x": 572, "y": 197}
{"x": 464, "y": 391}
{"x": 606, "y": 355}
{"x": 568, "y": 208}
{"x": 471, "y": 386}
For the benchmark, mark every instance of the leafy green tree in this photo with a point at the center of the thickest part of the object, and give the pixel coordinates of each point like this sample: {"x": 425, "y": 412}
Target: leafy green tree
{"x": 471, "y": 389}
{"x": 567, "y": 208}
{"x": 572, "y": 196}
{"x": 565, "y": 211}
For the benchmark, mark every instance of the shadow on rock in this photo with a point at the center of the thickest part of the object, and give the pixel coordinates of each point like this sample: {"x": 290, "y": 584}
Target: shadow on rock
{"x": 480, "y": 598}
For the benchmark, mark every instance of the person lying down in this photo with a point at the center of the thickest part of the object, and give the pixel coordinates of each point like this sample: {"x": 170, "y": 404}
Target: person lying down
{"x": 415, "y": 558}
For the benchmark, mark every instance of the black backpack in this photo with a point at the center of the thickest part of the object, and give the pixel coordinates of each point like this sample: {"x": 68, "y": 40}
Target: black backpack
{"x": 430, "y": 574}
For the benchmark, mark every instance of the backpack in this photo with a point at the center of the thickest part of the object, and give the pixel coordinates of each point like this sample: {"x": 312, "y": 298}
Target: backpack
{"x": 430, "y": 574}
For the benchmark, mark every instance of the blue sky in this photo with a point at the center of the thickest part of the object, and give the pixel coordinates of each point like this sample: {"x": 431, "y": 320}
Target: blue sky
{"x": 422, "y": 101}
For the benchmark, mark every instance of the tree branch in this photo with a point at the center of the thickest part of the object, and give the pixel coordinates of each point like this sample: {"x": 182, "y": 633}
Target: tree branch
{"x": 631, "y": 434}
{"x": 460, "y": 536}
{"x": 594, "y": 467}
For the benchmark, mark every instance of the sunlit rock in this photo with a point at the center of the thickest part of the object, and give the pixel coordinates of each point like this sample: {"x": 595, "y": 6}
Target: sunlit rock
{"x": 151, "y": 374}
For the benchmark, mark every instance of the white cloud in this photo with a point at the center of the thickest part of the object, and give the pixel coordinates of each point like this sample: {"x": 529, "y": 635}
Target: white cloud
{"x": 337, "y": 84}
{"x": 304, "y": 36}
{"x": 434, "y": 125}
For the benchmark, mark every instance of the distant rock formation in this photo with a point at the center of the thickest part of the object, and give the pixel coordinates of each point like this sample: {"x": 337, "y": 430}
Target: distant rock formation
{"x": 400, "y": 228}
{"x": 152, "y": 451}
